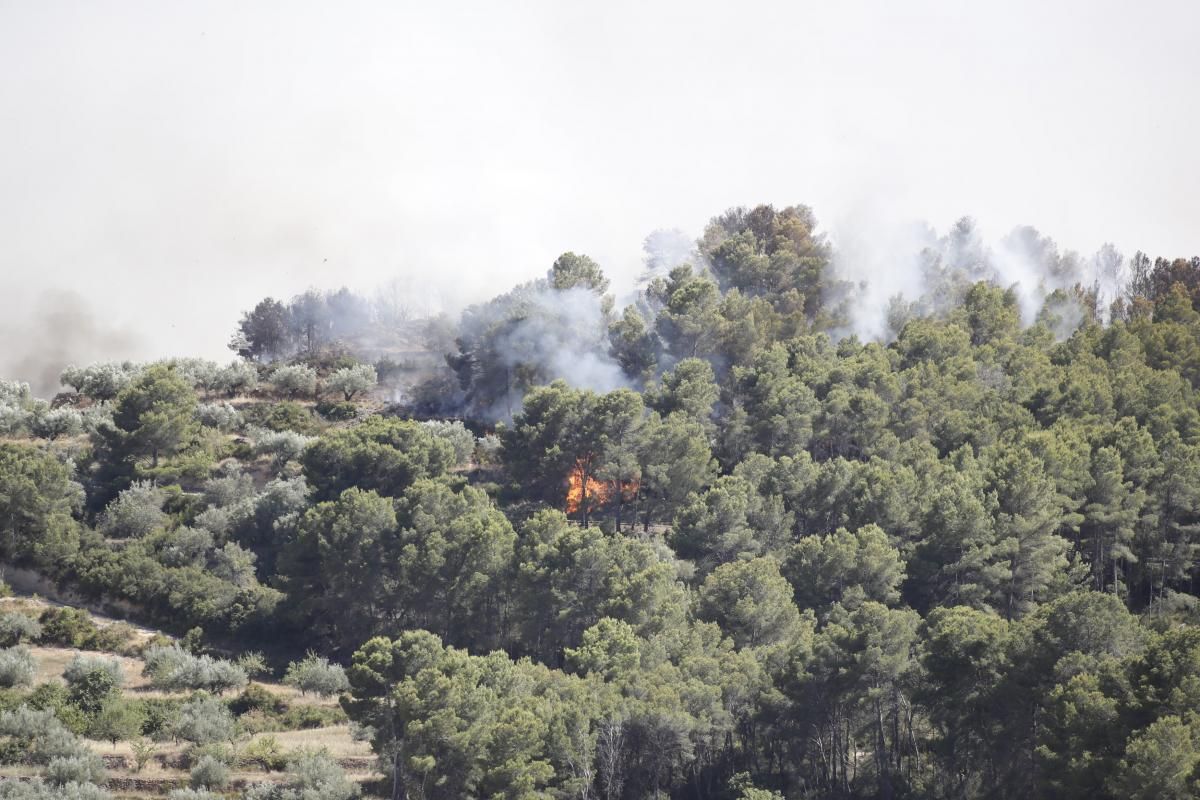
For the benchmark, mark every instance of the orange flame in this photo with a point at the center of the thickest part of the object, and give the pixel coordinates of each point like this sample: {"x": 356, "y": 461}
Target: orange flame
{"x": 599, "y": 493}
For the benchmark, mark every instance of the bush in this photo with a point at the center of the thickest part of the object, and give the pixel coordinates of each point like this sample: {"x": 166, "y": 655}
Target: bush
{"x": 57, "y": 422}
{"x": 238, "y": 377}
{"x": 221, "y": 416}
{"x": 91, "y": 680}
{"x": 285, "y": 416}
{"x": 254, "y": 663}
{"x": 307, "y": 718}
{"x": 209, "y": 773}
{"x": 37, "y": 789}
{"x": 135, "y": 512}
{"x": 38, "y": 737}
{"x": 314, "y": 776}
{"x": 265, "y": 753}
{"x": 337, "y": 411}
{"x": 16, "y": 628}
{"x": 69, "y": 627}
{"x": 53, "y": 697}
{"x": 192, "y": 794}
{"x": 117, "y": 720}
{"x": 100, "y": 381}
{"x": 116, "y": 637}
{"x": 315, "y": 674}
{"x": 81, "y": 666}
{"x": 81, "y": 768}
{"x": 172, "y": 668}
{"x": 205, "y": 720}
{"x": 352, "y": 380}
{"x": 282, "y": 446}
{"x": 292, "y": 380}
{"x": 488, "y": 451}
{"x": 456, "y": 435}
{"x": 257, "y": 697}
{"x": 16, "y": 667}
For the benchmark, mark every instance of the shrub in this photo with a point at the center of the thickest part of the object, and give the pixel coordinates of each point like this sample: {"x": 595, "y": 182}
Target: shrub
{"x": 135, "y": 512}
{"x": 352, "y": 380}
{"x": 209, "y": 773}
{"x": 285, "y": 416}
{"x": 57, "y": 422}
{"x": 53, "y": 697}
{"x": 292, "y": 380}
{"x": 69, "y": 627}
{"x": 81, "y": 666}
{"x": 39, "y": 737}
{"x": 16, "y": 628}
{"x": 80, "y": 768}
{"x": 461, "y": 440}
{"x": 16, "y": 667}
{"x": 221, "y": 416}
{"x": 306, "y": 717}
{"x": 116, "y": 637}
{"x": 265, "y": 753}
{"x": 192, "y": 794}
{"x": 337, "y": 411}
{"x": 257, "y": 697}
{"x": 205, "y": 720}
{"x": 91, "y": 680}
{"x": 143, "y": 751}
{"x": 282, "y": 446}
{"x": 314, "y": 776}
{"x": 315, "y": 674}
{"x": 37, "y": 789}
{"x": 238, "y": 377}
{"x": 117, "y": 720}
{"x": 173, "y": 668}
{"x": 254, "y": 663}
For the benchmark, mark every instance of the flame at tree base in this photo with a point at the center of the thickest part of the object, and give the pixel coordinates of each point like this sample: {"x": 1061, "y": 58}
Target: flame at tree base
{"x": 599, "y": 493}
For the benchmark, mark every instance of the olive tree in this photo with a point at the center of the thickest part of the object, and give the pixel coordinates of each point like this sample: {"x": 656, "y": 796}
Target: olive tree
{"x": 353, "y": 380}
{"x": 315, "y": 674}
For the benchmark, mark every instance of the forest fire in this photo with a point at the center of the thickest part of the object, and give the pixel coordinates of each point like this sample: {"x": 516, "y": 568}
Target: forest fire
{"x": 599, "y": 493}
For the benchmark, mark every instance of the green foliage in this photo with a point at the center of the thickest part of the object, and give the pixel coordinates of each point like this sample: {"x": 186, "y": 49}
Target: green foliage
{"x": 173, "y": 668}
{"x": 312, "y": 776}
{"x": 209, "y": 773}
{"x": 282, "y": 416}
{"x": 337, "y": 411}
{"x": 37, "y": 789}
{"x": 17, "y": 667}
{"x": 16, "y": 628}
{"x": 38, "y": 500}
{"x": 315, "y": 674}
{"x": 383, "y": 454}
{"x": 116, "y": 720}
{"x": 69, "y": 627}
{"x": 153, "y": 416}
{"x": 204, "y": 720}
{"x": 353, "y": 380}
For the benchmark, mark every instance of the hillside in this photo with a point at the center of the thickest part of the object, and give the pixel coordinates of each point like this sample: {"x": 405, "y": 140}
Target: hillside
{"x": 708, "y": 546}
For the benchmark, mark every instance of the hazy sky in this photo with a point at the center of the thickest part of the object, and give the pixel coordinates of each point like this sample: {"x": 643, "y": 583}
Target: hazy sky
{"x": 173, "y": 162}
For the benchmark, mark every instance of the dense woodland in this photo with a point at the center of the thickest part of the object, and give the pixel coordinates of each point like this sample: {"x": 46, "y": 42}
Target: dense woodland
{"x": 708, "y": 545}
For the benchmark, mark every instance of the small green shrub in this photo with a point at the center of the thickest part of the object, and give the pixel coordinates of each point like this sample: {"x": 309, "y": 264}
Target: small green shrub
{"x": 69, "y": 627}
{"x": 16, "y": 628}
{"x": 16, "y": 667}
{"x": 337, "y": 410}
{"x": 209, "y": 773}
